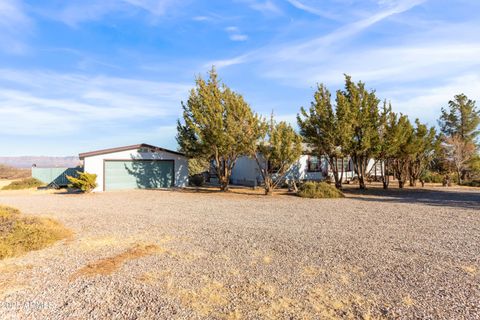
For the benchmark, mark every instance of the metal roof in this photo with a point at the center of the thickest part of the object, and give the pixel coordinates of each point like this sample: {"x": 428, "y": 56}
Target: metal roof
{"x": 125, "y": 148}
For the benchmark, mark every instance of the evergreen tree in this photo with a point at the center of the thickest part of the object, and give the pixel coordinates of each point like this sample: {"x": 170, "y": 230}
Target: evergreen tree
{"x": 360, "y": 112}
{"x": 218, "y": 125}
{"x": 322, "y": 130}
{"x": 278, "y": 149}
{"x": 461, "y": 118}
{"x": 459, "y": 124}
{"x": 392, "y": 137}
{"x": 403, "y": 155}
{"x": 422, "y": 148}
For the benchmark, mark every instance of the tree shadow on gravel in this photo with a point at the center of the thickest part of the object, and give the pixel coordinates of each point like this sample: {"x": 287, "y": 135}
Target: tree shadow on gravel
{"x": 466, "y": 199}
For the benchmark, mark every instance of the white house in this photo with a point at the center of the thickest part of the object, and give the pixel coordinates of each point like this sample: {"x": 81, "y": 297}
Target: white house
{"x": 308, "y": 167}
{"x": 140, "y": 166}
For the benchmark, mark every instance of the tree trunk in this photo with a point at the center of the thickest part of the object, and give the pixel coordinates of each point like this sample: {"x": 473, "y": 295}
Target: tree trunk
{"x": 333, "y": 163}
{"x": 386, "y": 182}
{"x": 360, "y": 168}
{"x": 223, "y": 184}
{"x": 401, "y": 183}
{"x": 224, "y": 187}
{"x": 361, "y": 181}
{"x": 268, "y": 186}
{"x": 224, "y": 176}
{"x": 341, "y": 175}
{"x": 384, "y": 173}
{"x": 459, "y": 177}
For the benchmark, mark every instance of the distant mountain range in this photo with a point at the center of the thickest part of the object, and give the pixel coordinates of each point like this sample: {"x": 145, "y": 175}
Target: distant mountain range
{"x": 40, "y": 162}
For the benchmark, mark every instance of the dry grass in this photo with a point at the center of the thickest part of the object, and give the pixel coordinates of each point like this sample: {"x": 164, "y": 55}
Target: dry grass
{"x": 19, "y": 234}
{"x": 472, "y": 270}
{"x": 319, "y": 190}
{"x": 408, "y": 301}
{"x": 204, "y": 300}
{"x": 111, "y": 264}
{"x": 212, "y": 298}
{"x": 10, "y": 173}
{"x": 27, "y": 183}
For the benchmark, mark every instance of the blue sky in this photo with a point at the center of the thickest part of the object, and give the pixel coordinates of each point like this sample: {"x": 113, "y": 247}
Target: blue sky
{"x": 80, "y": 75}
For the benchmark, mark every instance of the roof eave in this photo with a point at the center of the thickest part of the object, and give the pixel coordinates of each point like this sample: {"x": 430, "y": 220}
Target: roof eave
{"x": 84, "y": 155}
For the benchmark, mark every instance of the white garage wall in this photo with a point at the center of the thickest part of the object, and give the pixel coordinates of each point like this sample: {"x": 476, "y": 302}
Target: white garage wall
{"x": 94, "y": 164}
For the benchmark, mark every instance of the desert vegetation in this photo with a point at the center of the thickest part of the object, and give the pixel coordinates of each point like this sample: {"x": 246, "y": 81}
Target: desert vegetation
{"x": 85, "y": 182}
{"x": 318, "y": 190}
{"x": 26, "y": 183}
{"x": 219, "y": 126}
{"x": 10, "y": 173}
{"x": 20, "y": 234}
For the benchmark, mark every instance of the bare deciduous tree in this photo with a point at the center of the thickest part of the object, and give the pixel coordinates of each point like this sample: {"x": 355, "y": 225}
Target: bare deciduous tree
{"x": 459, "y": 152}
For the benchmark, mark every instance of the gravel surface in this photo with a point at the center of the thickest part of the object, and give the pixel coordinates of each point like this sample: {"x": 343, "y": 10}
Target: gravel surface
{"x": 183, "y": 255}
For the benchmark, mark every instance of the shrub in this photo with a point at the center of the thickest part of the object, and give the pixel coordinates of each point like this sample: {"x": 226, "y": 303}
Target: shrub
{"x": 19, "y": 234}
{"x": 432, "y": 177}
{"x": 473, "y": 183}
{"x": 197, "y": 180}
{"x": 435, "y": 177}
{"x": 26, "y": 183}
{"x": 319, "y": 190}
{"x": 85, "y": 182}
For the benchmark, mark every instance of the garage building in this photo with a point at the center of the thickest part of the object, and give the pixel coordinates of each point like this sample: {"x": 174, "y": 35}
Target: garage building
{"x": 140, "y": 166}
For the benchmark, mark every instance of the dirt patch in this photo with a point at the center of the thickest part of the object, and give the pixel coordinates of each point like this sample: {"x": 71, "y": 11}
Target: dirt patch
{"x": 110, "y": 265}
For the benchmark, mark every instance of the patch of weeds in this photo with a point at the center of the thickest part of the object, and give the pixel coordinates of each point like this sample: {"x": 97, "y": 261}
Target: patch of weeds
{"x": 206, "y": 299}
{"x": 27, "y": 183}
{"x": 317, "y": 190}
{"x": 472, "y": 270}
{"x": 408, "y": 301}
{"x": 20, "y": 234}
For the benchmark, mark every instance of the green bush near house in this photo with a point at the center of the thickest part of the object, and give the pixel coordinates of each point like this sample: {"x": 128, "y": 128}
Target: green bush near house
{"x": 85, "y": 182}
{"x": 318, "y": 190}
{"x": 473, "y": 183}
{"x": 435, "y": 177}
{"x": 197, "y": 180}
{"x": 26, "y": 183}
{"x": 20, "y": 234}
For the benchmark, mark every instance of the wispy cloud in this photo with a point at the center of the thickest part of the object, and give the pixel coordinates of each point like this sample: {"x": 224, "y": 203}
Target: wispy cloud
{"x": 235, "y": 34}
{"x": 66, "y": 103}
{"x": 266, "y": 7}
{"x": 318, "y": 46}
{"x": 201, "y": 18}
{"x": 425, "y": 102}
{"x": 75, "y": 12}
{"x": 313, "y": 10}
{"x": 14, "y": 25}
{"x": 156, "y": 7}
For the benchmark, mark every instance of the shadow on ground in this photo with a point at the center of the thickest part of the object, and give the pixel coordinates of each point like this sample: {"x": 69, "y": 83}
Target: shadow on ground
{"x": 457, "y": 198}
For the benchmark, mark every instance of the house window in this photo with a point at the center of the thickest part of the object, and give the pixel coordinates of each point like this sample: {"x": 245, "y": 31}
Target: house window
{"x": 346, "y": 164}
{"x": 314, "y": 164}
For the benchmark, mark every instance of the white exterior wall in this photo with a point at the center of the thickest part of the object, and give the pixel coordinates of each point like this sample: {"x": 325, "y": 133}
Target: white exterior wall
{"x": 94, "y": 164}
{"x": 299, "y": 171}
{"x": 246, "y": 171}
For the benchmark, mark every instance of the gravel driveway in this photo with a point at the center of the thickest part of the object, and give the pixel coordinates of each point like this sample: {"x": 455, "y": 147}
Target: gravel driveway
{"x": 181, "y": 255}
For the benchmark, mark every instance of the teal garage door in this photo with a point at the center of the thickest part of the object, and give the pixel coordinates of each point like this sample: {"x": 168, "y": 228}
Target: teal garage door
{"x": 138, "y": 174}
